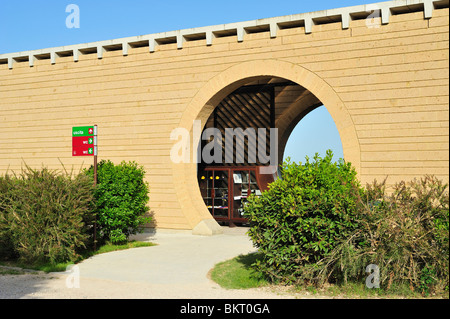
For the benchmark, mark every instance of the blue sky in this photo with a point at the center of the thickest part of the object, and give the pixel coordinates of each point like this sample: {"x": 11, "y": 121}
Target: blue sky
{"x": 316, "y": 133}
{"x": 30, "y": 25}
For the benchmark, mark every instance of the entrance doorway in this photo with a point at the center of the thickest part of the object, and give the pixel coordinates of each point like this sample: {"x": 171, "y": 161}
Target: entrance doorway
{"x": 243, "y": 120}
{"x": 237, "y": 143}
{"x": 297, "y": 91}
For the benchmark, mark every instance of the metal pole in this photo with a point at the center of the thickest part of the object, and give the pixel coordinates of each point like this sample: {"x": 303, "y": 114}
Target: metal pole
{"x": 95, "y": 184}
{"x": 95, "y": 170}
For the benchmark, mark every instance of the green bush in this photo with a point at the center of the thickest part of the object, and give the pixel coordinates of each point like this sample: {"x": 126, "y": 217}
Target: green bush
{"x": 405, "y": 233}
{"x": 6, "y": 246}
{"x": 303, "y": 215}
{"x": 121, "y": 200}
{"x": 45, "y": 216}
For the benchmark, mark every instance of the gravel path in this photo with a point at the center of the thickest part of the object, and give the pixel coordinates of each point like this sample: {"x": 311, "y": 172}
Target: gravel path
{"x": 176, "y": 268}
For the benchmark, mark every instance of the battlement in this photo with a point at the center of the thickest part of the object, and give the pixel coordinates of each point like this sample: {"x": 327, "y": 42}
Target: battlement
{"x": 239, "y": 29}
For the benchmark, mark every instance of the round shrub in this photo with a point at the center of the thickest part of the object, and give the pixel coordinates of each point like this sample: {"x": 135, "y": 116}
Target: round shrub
{"x": 45, "y": 216}
{"x": 121, "y": 200}
{"x": 303, "y": 215}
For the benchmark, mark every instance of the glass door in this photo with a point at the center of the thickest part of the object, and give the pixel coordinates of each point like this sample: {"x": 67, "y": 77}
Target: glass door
{"x": 253, "y": 184}
{"x": 206, "y": 189}
{"x": 220, "y": 194}
{"x": 240, "y": 192}
{"x": 226, "y": 190}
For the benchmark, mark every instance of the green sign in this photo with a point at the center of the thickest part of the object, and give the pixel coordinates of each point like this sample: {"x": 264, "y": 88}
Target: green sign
{"x": 83, "y": 131}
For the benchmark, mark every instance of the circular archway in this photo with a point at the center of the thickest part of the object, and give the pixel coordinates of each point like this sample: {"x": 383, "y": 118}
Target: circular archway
{"x": 219, "y": 87}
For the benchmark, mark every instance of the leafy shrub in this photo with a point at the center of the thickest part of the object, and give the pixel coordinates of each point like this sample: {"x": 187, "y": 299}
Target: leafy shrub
{"x": 405, "y": 233}
{"x": 45, "y": 216}
{"x": 303, "y": 215}
{"x": 121, "y": 198}
{"x": 6, "y": 247}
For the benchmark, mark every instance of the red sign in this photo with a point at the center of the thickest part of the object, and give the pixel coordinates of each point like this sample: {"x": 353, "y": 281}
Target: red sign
{"x": 82, "y": 141}
{"x": 87, "y": 150}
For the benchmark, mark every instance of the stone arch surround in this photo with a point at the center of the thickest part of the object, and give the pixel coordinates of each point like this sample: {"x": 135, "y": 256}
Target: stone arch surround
{"x": 210, "y": 95}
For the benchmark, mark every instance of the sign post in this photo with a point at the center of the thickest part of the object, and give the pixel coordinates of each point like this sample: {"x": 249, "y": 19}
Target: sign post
{"x": 84, "y": 143}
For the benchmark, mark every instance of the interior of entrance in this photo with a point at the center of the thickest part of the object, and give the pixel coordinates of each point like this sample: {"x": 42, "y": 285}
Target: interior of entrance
{"x": 225, "y": 191}
{"x": 267, "y": 102}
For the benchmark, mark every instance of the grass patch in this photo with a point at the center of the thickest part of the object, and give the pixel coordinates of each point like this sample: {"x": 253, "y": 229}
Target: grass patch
{"x": 236, "y": 273}
{"x": 7, "y": 271}
{"x": 356, "y": 290}
{"x": 108, "y": 247}
{"x": 45, "y": 267}
{"x": 60, "y": 267}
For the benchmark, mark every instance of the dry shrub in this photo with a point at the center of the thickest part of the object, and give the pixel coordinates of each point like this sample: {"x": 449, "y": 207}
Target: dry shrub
{"x": 405, "y": 233}
{"x": 45, "y": 215}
